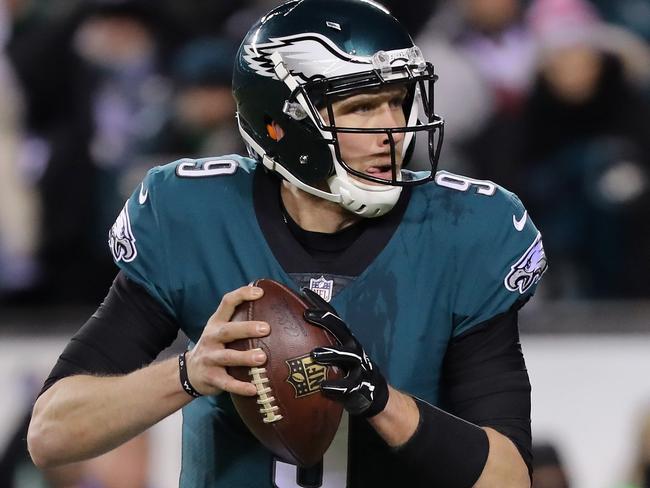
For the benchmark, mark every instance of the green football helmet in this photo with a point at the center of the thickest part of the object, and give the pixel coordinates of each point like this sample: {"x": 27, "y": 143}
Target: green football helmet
{"x": 300, "y": 58}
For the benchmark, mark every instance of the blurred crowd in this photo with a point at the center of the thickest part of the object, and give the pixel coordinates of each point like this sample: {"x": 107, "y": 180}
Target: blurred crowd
{"x": 549, "y": 98}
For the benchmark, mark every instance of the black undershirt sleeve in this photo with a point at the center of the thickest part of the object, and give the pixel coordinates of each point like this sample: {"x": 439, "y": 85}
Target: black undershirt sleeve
{"x": 128, "y": 330}
{"x": 484, "y": 384}
{"x": 485, "y": 381}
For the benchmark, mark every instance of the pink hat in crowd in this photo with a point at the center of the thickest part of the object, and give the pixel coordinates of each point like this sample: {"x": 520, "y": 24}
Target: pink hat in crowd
{"x": 560, "y": 23}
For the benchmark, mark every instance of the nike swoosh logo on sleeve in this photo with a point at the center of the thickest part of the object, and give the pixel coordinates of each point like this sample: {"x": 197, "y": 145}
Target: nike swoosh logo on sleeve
{"x": 142, "y": 197}
{"x": 519, "y": 224}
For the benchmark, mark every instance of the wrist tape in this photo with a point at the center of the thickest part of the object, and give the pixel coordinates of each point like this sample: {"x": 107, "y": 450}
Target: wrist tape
{"x": 444, "y": 450}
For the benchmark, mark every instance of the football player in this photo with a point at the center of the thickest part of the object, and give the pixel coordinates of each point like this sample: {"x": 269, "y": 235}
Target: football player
{"x": 419, "y": 274}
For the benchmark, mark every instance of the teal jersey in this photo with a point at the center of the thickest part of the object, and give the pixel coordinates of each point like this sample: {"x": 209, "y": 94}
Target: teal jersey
{"x": 464, "y": 251}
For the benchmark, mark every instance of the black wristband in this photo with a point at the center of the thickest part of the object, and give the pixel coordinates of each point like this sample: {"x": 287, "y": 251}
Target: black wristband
{"x": 444, "y": 450}
{"x": 185, "y": 381}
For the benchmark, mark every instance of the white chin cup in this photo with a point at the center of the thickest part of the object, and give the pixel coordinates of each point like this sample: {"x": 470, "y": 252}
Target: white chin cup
{"x": 363, "y": 199}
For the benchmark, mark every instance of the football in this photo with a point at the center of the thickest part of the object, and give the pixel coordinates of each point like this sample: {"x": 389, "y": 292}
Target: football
{"x": 289, "y": 415}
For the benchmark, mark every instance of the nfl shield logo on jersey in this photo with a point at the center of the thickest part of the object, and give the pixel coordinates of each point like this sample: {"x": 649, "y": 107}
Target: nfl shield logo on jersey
{"x": 322, "y": 287}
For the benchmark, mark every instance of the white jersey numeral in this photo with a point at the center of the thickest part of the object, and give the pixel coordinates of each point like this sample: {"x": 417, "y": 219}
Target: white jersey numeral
{"x": 463, "y": 183}
{"x": 195, "y": 169}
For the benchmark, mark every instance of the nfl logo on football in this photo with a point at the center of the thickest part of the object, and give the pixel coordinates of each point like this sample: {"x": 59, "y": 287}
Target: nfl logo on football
{"x": 323, "y": 287}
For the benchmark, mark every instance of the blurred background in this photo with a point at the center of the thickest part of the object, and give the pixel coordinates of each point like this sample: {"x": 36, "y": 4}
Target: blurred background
{"x": 550, "y": 98}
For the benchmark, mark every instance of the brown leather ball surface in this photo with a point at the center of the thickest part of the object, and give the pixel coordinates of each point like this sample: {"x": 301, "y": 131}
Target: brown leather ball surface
{"x": 289, "y": 415}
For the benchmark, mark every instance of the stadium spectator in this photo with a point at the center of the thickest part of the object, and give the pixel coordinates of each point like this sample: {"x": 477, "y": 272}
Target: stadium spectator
{"x": 18, "y": 200}
{"x": 201, "y": 119}
{"x": 491, "y": 33}
{"x": 93, "y": 93}
{"x": 125, "y": 43}
{"x": 585, "y": 157}
{"x": 489, "y": 53}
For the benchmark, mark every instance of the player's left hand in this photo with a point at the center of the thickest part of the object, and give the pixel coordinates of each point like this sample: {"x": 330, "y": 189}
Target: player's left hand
{"x": 363, "y": 390}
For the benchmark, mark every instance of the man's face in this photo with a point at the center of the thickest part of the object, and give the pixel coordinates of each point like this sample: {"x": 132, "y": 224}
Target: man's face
{"x": 573, "y": 72}
{"x": 370, "y": 153}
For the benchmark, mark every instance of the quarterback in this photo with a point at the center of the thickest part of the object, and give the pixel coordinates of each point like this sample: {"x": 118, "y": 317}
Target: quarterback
{"x": 426, "y": 271}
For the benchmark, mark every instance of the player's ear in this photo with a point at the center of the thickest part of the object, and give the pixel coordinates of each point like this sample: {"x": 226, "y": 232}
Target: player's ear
{"x": 275, "y": 130}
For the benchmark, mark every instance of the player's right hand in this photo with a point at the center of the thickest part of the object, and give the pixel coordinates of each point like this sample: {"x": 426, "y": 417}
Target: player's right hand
{"x": 207, "y": 361}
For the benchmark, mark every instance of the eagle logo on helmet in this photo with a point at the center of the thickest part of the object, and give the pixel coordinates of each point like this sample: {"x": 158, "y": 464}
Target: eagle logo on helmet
{"x": 311, "y": 54}
{"x": 528, "y": 269}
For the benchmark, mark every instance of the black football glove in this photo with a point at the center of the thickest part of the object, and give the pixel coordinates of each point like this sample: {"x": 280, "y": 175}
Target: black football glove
{"x": 363, "y": 390}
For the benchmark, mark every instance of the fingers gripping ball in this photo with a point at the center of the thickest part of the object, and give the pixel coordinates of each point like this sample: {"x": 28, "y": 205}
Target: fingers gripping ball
{"x": 289, "y": 416}
{"x": 363, "y": 391}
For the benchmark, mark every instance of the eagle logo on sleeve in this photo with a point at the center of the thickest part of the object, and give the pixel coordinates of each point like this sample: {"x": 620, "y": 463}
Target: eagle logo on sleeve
{"x": 120, "y": 238}
{"x": 528, "y": 269}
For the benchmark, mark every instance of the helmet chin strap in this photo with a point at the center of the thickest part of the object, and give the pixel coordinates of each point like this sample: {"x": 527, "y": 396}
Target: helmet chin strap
{"x": 361, "y": 198}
